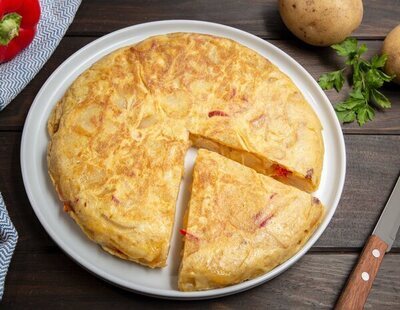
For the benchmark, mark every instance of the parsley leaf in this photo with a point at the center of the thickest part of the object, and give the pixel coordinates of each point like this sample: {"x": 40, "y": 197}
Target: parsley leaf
{"x": 331, "y": 80}
{"x": 385, "y": 77}
{"x": 357, "y": 94}
{"x": 364, "y": 114}
{"x": 367, "y": 78}
{"x": 346, "y": 116}
{"x": 380, "y": 99}
{"x": 378, "y": 61}
{"x": 349, "y": 104}
{"x": 347, "y": 48}
{"x": 374, "y": 79}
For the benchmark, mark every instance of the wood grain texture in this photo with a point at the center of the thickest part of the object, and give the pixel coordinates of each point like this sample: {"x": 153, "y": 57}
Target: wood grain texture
{"x": 315, "y": 60}
{"x": 260, "y": 17}
{"x": 368, "y": 185}
{"x": 362, "y": 277}
{"x": 372, "y": 170}
{"x": 52, "y": 280}
{"x": 42, "y": 276}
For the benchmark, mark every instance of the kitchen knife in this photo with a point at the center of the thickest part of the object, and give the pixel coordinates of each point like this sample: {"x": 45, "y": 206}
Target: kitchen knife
{"x": 360, "y": 281}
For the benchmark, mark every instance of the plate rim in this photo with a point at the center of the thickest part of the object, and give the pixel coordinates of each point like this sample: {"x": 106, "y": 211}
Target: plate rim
{"x": 175, "y": 294}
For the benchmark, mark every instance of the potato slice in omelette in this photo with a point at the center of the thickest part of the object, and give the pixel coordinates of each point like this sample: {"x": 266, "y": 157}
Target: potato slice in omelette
{"x": 240, "y": 224}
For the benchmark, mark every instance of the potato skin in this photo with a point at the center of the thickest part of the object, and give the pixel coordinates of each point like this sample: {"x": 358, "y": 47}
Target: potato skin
{"x": 391, "y": 47}
{"x": 321, "y": 22}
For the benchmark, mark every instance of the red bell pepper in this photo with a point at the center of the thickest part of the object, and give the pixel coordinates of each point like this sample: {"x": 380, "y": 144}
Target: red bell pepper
{"x": 217, "y": 113}
{"x": 18, "y": 21}
{"x": 279, "y": 171}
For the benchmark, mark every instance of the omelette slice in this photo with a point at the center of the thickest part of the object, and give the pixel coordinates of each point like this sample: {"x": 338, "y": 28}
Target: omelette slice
{"x": 118, "y": 180}
{"x": 240, "y": 224}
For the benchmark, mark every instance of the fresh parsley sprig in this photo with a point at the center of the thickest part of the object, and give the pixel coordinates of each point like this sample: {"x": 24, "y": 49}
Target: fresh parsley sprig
{"x": 367, "y": 78}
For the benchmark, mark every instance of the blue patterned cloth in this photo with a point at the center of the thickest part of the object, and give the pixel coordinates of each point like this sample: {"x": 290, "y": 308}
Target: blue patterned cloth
{"x": 55, "y": 18}
{"x": 8, "y": 241}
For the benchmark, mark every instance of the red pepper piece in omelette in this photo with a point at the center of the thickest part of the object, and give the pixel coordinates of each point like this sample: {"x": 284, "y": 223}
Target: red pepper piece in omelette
{"x": 188, "y": 235}
{"x": 217, "y": 113}
{"x": 279, "y": 171}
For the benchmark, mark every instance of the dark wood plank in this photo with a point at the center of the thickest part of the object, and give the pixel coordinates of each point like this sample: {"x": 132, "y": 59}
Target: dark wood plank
{"x": 42, "y": 276}
{"x": 53, "y": 281}
{"x": 258, "y": 17}
{"x": 372, "y": 169}
{"x": 315, "y": 60}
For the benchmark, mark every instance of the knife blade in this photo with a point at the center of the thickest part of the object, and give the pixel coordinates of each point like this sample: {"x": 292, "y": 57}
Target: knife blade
{"x": 389, "y": 221}
{"x": 360, "y": 281}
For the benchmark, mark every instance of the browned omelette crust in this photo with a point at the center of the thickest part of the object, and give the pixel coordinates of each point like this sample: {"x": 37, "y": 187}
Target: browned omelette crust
{"x": 235, "y": 102}
{"x": 115, "y": 165}
{"x": 240, "y": 224}
{"x": 119, "y": 134}
{"x": 123, "y": 197}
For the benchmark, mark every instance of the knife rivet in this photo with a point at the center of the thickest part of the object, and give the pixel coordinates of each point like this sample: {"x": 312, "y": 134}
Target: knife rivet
{"x": 376, "y": 253}
{"x": 365, "y": 276}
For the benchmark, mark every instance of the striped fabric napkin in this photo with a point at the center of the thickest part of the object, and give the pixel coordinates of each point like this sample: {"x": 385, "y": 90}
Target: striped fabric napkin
{"x": 55, "y": 18}
{"x": 8, "y": 241}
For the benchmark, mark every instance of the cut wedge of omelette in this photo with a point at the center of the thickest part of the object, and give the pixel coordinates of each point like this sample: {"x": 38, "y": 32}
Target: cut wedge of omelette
{"x": 240, "y": 224}
{"x": 119, "y": 134}
{"x": 121, "y": 185}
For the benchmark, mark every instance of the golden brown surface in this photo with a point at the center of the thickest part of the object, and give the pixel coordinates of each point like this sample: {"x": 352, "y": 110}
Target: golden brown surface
{"x": 228, "y": 94}
{"x": 119, "y": 134}
{"x": 240, "y": 224}
{"x": 121, "y": 191}
{"x": 117, "y": 174}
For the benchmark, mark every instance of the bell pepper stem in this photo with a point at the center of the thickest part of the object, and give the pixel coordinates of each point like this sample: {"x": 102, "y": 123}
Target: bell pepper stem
{"x": 9, "y": 27}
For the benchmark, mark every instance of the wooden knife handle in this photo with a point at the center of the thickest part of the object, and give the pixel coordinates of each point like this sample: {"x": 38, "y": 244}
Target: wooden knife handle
{"x": 360, "y": 281}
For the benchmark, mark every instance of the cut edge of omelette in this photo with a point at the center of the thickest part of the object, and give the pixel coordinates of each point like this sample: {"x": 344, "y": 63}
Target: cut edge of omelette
{"x": 240, "y": 224}
{"x": 308, "y": 182}
{"x": 210, "y": 128}
{"x": 266, "y": 166}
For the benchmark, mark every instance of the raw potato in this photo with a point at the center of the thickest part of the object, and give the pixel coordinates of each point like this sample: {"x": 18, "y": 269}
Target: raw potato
{"x": 391, "y": 47}
{"x": 321, "y": 22}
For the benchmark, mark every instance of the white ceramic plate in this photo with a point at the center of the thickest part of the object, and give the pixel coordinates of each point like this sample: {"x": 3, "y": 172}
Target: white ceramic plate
{"x": 161, "y": 282}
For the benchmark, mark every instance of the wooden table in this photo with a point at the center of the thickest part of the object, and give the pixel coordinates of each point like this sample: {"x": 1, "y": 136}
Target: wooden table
{"x": 41, "y": 275}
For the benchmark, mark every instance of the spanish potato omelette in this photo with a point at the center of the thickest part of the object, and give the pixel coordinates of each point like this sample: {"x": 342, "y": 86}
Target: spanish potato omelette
{"x": 240, "y": 224}
{"x": 119, "y": 134}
